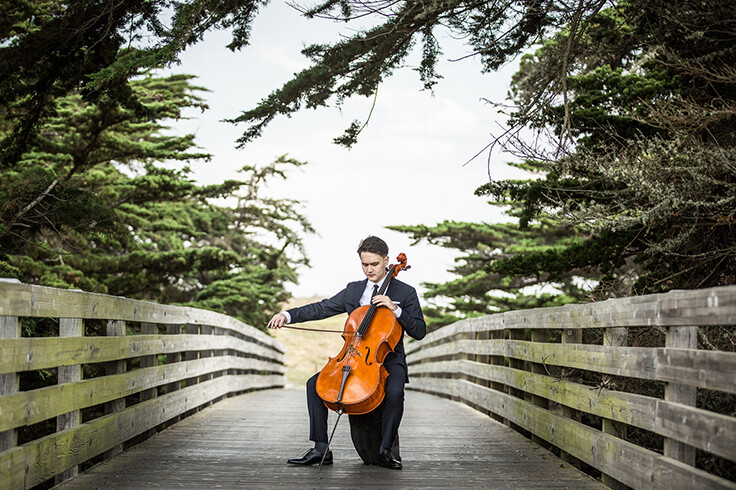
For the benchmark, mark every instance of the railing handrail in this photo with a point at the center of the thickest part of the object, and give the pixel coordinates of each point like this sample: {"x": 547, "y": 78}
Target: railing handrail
{"x": 505, "y": 364}
{"x": 532, "y": 370}
{"x": 30, "y": 300}
{"x": 702, "y": 307}
{"x": 208, "y": 356}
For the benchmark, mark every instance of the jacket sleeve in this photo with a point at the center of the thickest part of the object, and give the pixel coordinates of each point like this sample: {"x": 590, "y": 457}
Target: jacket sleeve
{"x": 319, "y": 310}
{"x": 412, "y": 318}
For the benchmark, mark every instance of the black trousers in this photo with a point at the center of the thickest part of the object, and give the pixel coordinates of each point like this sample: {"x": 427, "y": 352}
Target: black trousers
{"x": 393, "y": 407}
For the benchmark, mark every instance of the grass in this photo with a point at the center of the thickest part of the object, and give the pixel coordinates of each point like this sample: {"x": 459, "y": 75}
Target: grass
{"x": 308, "y": 352}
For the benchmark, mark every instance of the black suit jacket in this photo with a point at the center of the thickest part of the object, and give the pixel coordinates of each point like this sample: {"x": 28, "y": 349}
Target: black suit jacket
{"x": 347, "y": 300}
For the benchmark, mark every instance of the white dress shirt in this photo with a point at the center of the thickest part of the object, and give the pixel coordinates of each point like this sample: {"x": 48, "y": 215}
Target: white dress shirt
{"x": 365, "y": 299}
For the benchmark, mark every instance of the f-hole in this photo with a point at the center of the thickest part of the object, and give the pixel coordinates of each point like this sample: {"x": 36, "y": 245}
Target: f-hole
{"x": 367, "y": 354}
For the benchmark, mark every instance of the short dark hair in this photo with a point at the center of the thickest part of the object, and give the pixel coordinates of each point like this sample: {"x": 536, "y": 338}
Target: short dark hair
{"x": 374, "y": 245}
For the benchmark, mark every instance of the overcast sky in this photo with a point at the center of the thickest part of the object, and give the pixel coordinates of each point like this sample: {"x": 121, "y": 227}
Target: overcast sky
{"x": 406, "y": 169}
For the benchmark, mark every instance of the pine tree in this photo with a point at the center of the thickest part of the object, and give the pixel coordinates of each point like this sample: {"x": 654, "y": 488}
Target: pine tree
{"x": 646, "y": 124}
{"x": 95, "y": 48}
{"x": 91, "y": 206}
{"x": 356, "y": 65}
{"x": 637, "y": 185}
{"x": 488, "y": 280}
{"x": 636, "y": 180}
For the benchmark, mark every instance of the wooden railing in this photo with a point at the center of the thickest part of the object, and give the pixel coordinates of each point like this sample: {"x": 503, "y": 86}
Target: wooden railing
{"x": 151, "y": 365}
{"x": 573, "y": 379}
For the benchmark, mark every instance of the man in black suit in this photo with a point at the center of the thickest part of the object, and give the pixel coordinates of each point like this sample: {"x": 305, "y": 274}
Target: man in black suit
{"x": 403, "y": 301}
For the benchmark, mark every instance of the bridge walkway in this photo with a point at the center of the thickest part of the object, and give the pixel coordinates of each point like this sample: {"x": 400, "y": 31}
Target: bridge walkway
{"x": 244, "y": 442}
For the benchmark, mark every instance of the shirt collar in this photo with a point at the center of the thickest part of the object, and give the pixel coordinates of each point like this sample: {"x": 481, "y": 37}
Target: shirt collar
{"x": 379, "y": 283}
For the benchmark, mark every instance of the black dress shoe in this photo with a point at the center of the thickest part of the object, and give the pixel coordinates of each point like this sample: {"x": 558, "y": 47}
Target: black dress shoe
{"x": 387, "y": 459}
{"x": 311, "y": 457}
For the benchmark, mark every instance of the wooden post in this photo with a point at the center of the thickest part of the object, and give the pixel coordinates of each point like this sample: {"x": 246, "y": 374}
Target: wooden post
{"x": 615, "y": 336}
{"x": 540, "y": 335}
{"x": 517, "y": 334}
{"x": 191, "y": 355}
{"x": 570, "y": 336}
{"x": 170, "y": 359}
{"x": 497, "y": 361}
{"x": 191, "y": 329}
{"x": 10, "y": 382}
{"x": 219, "y": 353}
{"x": 458, "y": 356}
{"x": 483, "y": 359}
{"x": 69, "y": 327}
{"x": 115, "y": 328}
{"x": 206, "y": 330}
{"x": 147, "y": 362}
{"x": 680, "y": 338}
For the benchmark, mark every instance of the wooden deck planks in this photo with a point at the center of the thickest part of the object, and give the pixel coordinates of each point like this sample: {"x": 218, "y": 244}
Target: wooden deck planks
{"x": 244, "y": 442}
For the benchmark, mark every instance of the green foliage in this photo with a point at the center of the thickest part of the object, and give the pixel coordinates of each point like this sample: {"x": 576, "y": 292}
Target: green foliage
{"x": 636, "y": 192}
{"x": 90, "y": 206}
{"x": 356, "y": 65}
{"x": 52, "y": 49}
{"x": 502, "y": 267}
{"x": 651, "y": 174}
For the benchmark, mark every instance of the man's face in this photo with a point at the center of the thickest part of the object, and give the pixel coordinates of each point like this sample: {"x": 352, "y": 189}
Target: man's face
{"x": 374, "y": 266}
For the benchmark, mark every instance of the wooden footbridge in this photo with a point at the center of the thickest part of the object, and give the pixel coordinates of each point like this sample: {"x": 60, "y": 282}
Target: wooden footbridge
{"x": 130, "y": 394}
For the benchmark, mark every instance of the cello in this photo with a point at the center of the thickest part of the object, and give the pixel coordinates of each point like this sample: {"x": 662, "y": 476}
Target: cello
{"x": 353, "y": 381}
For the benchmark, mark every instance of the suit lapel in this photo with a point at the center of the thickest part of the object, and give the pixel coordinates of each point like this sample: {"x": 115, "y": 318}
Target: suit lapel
{"x": 353, "y": 297}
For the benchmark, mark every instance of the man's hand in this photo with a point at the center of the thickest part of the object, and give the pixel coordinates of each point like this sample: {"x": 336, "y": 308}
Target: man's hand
{"x": 277, "y": 321}
{"x": 383, "y": 300}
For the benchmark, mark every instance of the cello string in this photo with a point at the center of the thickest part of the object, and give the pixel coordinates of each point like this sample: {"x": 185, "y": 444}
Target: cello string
{"x": 368, "y": 318}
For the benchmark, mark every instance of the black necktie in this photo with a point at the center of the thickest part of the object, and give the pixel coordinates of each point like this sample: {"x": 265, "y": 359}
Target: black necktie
{"x": 375, "y": 290}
